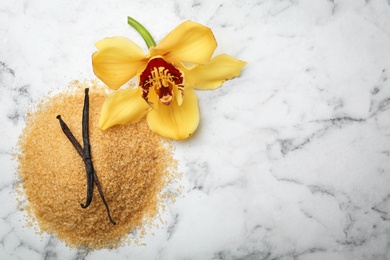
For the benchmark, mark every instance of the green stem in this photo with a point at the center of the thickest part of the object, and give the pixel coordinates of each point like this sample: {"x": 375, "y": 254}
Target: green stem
{"x": 142, "y": 31}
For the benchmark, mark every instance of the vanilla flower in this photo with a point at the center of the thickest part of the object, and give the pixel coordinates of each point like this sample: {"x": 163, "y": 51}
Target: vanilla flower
{"x": 167, "y": 77}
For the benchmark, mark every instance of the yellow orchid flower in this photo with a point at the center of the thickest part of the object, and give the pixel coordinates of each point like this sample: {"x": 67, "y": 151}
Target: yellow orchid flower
{"x": 167, "y": 77}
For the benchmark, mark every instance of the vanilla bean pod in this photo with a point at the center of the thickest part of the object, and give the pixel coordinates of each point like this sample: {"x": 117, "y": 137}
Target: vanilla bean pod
{"x": 85, "y": 154}
{"x": 97, "y": 182}
{"x": 87, "y": 151}
{"x": 70, "y": 136}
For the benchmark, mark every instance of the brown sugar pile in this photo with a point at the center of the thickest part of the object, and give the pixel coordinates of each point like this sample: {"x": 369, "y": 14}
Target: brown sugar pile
{"x": 133, "y": 164}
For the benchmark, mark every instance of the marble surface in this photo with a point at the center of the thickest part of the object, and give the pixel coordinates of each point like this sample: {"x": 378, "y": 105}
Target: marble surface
{"x": 291, "y": 160}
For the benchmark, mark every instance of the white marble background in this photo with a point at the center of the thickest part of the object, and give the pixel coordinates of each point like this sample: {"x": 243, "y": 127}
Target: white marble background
{"x": 292, "y": 159}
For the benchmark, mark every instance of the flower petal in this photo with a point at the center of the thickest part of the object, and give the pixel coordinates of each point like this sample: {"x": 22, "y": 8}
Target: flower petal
{"x": 214, "y": 73}
{"x": 174, "y": 121}
{"x": 117, "y": 61}
{"x": 189, "y": 42}
{"x": 123, "y": 107}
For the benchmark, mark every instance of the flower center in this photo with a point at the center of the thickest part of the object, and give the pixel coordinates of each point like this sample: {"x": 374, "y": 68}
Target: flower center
{"x": 163, "y": 77}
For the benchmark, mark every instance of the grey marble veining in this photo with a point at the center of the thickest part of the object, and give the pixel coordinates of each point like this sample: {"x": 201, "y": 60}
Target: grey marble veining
{"x": 291, "y": 160}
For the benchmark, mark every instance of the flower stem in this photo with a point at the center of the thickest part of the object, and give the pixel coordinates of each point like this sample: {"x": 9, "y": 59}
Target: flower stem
{"x": 142, "y": 31}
